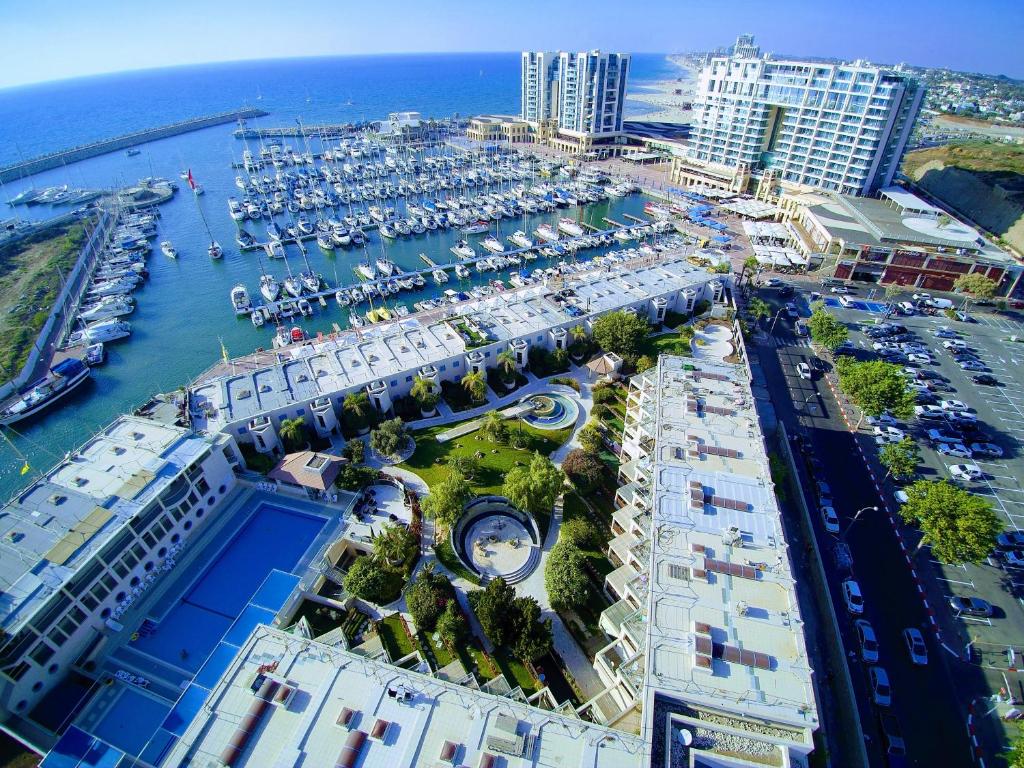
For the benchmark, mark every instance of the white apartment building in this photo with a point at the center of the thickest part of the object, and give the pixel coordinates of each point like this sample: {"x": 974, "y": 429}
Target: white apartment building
{"x": 798, "y": 125}
{"x": 574, "y": 100}
{"x": 83, "y": 542}
{"x": 706, "y": 630}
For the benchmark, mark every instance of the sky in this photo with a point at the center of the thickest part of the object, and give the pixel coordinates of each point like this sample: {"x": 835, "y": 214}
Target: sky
{"x": 56, "y": 39}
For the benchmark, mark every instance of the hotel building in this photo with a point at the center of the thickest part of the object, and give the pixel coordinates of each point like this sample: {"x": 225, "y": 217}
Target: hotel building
{"x": 88, "y": 539}
{"x": 767, "y": 126}
{"x": 250, "y": 397}
{"x": 573, "y": 101}
{"x": 706, "y": 630}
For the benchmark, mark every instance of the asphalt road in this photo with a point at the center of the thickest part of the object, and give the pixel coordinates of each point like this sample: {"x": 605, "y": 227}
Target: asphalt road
{"x": 926, "y": 700}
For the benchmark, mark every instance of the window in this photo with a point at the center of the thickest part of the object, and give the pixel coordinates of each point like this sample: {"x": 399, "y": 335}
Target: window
{"x": 454, "y": 365}
{"x": 41, "y": 654}
{"x": 394, "y": 382}
{"x": 175, "y": 538}
{"x": 222, "y": 489}
{"x": 301, "y": 412}
{"x": 188, "y": 525}
{"x": 408, "y": 379}
{"x": 162, "y": 552}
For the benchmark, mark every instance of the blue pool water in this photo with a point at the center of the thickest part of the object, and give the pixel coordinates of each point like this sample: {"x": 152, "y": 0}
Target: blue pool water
{"x": 561, "y": 413}
{"x": 131, "y": 720}
{"x": 272, "y": 539}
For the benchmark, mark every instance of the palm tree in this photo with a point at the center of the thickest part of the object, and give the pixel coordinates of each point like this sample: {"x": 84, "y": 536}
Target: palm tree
{"x": 759, "y": 309}
{"x": 751, "y": 264}
{"x": 423, "y": 393}
{"x": 578, "y": 332}
{"x": 507, "y": 365}
{"x": 357, "y": 406}
{"x": 493, "y": 427}
{"x": 293, "y": 433}
{"x": 475, "y": 384}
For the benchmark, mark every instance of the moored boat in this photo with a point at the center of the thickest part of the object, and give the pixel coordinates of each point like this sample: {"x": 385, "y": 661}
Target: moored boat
{"x": 62, "y": 378}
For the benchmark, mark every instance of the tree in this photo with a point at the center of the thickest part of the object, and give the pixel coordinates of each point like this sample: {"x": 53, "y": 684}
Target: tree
{"x": 590, "y": 438}
{"x": 621, "y": 333}
{"x": 750, "y": 265}
{"x": 493, "y": 428}
{"x": 353, "y": 478}
{"x": 900, "y": 459}
{"x": 825, "y": 329}
{"x": 602, "y": 393}
{"x": 427, "y": 598}
{"x": 293, "y": 434}
{"x": 493, "y": 607}
{"x": 976, "y": 286}
{"x": 530, "y": 637}
{"x": 356, "y": 408}
{"x": 469, "y": 466}
{"x": 371, "y": 581}
{"x": 447, "y": 499}
{"x": 507, "y": 365}
{"x": 875, "y": 386}
{"x": 452, "y": 626}
{"x": 476, "y": 385}
{"x": 565, "y": 575}
{"x": 424, "y": 393}
{"x": 354, "y": 451}
{"x": 1014, "y": 756}
{"x": 759, "y": 309}
{"x": 579, "y": 532}
{"x": 534, "y": 488}
{"x": 959, "y": 526}
{"x": 394, "y": 545}
{"x": 584, "y": 469}
{"x": 389, "y": 438}
{"x": 578, "y": 333}
{"x": 645, "y": 363}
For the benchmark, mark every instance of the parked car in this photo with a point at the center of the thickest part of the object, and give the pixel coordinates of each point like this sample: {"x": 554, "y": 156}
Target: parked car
{"x": 929, "y": 412}
{"x": 916, "y": 648}
{"x": 954, "y": 344}
{"x": 830, "y": 519}
{"x": 839, "y": 290}
{"x": 971, "y": 606}
{"x": 868, "y": 641}
{"x": 845, "y": 348}
{"x": 946, "y": 333}
{"x": 895, "y": 746}
{"x": 1014, "y": 558}
{"x": 959, "y": 450}
{"x": 938, "y": 436}
{"x": 845, "y": 301}
{"x": 853, "y": 597}
{"x": 1010, "y": 540}
{"x": 969, "y": 472}
{"x": 886, "y": 419}
{"x": 774, "y": 282}
{"x": 881, "y": 692}
{"x": 920, "y": 358}
{"x": 804, "y": 370}
{"x": 977, "y": 367}
{"x": 802, "y": 329}
{"x": 985, "y": 379}
{"x": 954, "y": 405}
{"x": 791, "y": 311}
{"x": 987, "y": 450}
{"x": 963, "y": 317}
{"x": 885, "y": 435}
{"x": 922, "y": 296}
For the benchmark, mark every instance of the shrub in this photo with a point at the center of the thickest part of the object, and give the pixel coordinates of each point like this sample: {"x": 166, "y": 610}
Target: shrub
{"x": 579, "y": 532}
{"x": 584, "y": 469}
{"x": 603, "y": 394}
{"x": 371, "y": 581}
{"x": 353, "y": 478}
{"x": 354, "y": 451}
{"x": 427, "y": 598}
{"x": 389, "y": 437}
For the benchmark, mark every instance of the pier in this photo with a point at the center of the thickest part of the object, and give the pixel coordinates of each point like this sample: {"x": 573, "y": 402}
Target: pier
{"x": 330, "y": 131}
{"x": 105, "y": 146}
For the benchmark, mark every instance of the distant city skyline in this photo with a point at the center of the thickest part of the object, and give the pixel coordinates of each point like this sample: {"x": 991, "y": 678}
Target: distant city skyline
{"x": 56, "y": 39}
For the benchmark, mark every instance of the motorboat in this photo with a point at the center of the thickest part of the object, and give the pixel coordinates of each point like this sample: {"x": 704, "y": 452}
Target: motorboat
{"x": 215, "y": 250}
{"x": 492, "y": 244}
{"x": 570, "y": 227}
{"x": 463, "y": 250}
{"x": 269, "y": 287}
{"x": 476, "y": 228}
{"x": 343, "y": 298}
{"x": 257, "y": 317}
{"x": 240, "y": 299}
{"x": 95, "y": 354}
{"x": 274, "y": 249}
{"x": 326, "y": 241}
{"x": 168, "y": 249}
{"x": 440, "y": 276}
{"x": 355, "y": 320}
{"x": 245, "y": 239}
{"x": 546, "y": 232}
{"x": 461, "y": 271}
{"x": 106, "y": 310}
{"x": 305, "y": 309}
{"x": 105, "y": 330}
{"x": 61, "y": 379}
{"x": 520, "y": 240}
{"x": 387, "y": 231}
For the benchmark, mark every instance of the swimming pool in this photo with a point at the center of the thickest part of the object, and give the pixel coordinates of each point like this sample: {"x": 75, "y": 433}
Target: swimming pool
{"x": 131, "y": 720}
{"x": 273, "y": 538}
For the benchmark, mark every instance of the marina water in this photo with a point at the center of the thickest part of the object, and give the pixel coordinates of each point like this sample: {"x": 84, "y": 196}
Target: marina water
{"x": 183, "y": 311}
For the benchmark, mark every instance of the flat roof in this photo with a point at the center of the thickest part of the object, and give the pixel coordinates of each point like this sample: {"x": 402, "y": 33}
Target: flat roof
{"x": 50, "y": 529}
{"x": 720, "y": 584}
{"x": 405, "y": 718}
{"x": 261, "y": 383}
{"x": 908, "y": 200}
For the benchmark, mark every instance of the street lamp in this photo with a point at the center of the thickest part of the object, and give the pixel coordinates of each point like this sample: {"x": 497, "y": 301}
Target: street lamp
{"x": 771, "y": 330}
{"x": 856, "y": 517}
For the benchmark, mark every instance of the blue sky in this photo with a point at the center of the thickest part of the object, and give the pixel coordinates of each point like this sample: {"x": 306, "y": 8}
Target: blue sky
{"x": 53, "y": 39}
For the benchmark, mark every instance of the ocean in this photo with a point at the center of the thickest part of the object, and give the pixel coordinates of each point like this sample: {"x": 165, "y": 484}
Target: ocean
{"x": 183, "y": 313}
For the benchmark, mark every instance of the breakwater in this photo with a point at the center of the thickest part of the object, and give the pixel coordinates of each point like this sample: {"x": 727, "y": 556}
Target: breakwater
{"x": 56, "y": 159}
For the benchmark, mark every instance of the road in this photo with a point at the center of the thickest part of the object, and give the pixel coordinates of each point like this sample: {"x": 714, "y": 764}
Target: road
{"x": 926, "y": 700}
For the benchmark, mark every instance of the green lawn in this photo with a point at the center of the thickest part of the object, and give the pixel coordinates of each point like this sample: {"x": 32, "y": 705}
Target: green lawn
{"x": 667, "y": 344}
{"x": 429, "y": 459}
{"x": 448, "y": 559}
{"x": 515, "y": 672}
{"x": 394, "y": 638}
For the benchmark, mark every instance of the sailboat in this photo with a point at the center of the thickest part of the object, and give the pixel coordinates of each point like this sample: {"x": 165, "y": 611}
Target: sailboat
{"x": 214, "y": 248}
{"x": 269, "y": 286}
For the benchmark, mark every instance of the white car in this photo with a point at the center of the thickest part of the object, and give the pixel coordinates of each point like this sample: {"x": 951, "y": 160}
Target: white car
{"x": 853, "y": 597}
{"x": 868, "y": 641}
{"x": 839, "y": 290}
{"x": 954, "y": 344}
{"x": 881, "y": 692}
{"x": 988, "y": 450}
{"x": 888, "y": 435}
{"x": 914, "y": 641}
{"x": 884, "y": 420}
{"x": 954, "y": 405}
{"x": 845, "y": 301}
{"x": 918, "y": 357}
{"x": 959, "y": 450}
{"x": 804, "y": 370}
{"x": 966, "y": 472}
{"x": 830, "y": 519}
{"x": 945, "y": 332}
{"x": 929, "y": 412}
{"x": 922, "y": 296}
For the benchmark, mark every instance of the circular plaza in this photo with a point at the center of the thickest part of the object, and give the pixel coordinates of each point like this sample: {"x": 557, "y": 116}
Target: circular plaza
{"x": 551, "y": 411}
{"x": 494, "y": 539}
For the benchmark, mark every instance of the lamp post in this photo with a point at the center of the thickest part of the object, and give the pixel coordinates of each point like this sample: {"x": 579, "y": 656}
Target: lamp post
{"x": 856, "y": 517}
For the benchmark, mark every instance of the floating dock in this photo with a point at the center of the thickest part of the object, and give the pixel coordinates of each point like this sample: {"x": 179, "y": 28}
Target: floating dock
{"x": 73, "y": 155}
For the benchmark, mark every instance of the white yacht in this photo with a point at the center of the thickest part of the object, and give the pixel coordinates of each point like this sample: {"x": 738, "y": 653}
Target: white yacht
{"x": 440, "y": 276}
{"x": 168, "y": 249}
{"x": 463, "y": 250}
{"x": 570, "y": 227}
{"x": 492, "y": 244}
{"x": 269, "y": 287}
{"x": 240, "y": 299}
{"x": 106, "y": 310}
{"x": 520, "y": 240}
{"x": 105, "y": 330}
{"x": 215, "y": 250}
{"x": 385, "y": 267}
{"x": 546, "y": 232}
{"x": 257, "y": 317}
{"x": 62, "y": 378}
{"x": 461, "y": 271}
{"x": 367, "y": 270}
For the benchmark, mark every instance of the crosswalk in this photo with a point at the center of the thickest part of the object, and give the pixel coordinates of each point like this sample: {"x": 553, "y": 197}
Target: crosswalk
{"x": 777, "y": 342}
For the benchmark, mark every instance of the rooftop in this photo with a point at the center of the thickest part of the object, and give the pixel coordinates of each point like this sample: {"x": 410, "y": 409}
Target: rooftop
{"x": 51, "y": 528}
{"x": 336, "y": 702}
{"x": 265, "y": 382}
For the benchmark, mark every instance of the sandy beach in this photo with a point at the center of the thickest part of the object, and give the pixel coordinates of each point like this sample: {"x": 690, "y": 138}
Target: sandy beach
{"x": 670, "y": 98}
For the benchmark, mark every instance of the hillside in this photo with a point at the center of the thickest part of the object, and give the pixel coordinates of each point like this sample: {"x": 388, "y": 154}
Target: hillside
{"x": 983, "y": 180}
